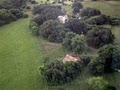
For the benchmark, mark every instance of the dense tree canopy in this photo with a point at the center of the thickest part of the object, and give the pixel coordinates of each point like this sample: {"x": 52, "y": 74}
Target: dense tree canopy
{"x": 77, "y": 26}
{"x": 58, "y": 72}
{"x": 53, "y": 31}
{"x": 89, "y": 12}
{"x": 99, "y": 36}
{"x": 97, "y": 83}
{"x": 6, "y": 17}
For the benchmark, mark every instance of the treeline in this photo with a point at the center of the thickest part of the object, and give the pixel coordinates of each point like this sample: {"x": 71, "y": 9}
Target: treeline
{"x": 11, "y": 10}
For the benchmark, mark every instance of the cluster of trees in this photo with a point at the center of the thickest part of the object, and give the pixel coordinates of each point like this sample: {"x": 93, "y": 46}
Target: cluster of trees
{"x": 6, "y": 17}
{"x": 56, "y": 73}
{"x": 46, "y": 12}
{"x": 53, "y": 31}
{"x": 11, "y": 10}
{"x": 99, "y": 36}
{"x": 77, "y": 26}
{"x": 74, "y": 42}
{"x": 88, "y": 12}
{"x": 76, "y": 7}
{"x": 98, "y": 83}
{"x": 108, "y": 60}
{"x": 103, "y": 19}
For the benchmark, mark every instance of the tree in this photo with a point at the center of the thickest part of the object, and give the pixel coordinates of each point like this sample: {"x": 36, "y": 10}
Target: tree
{"x": 53, "y": 31}
{"x": 78, "y": 44}
{"x": 99, "y": 36}
{"x": 96, "y": 66}
{"x": 68, "y": 40}
{"x": 77, "y": 5}
{"x": 56, "y": 73}
{"x": 111, "y": 55}
{"x": 6, "y": 17}
{"x": 97, "y": 83}
{"x": 89, "y": 12}
{"x": 77, "y": 26}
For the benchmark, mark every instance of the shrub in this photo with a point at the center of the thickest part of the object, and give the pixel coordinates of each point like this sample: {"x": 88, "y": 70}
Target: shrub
{"x": 68, "y": 40}
{"x": 78, "y": 44}
{"x": 6, "y": 17}
{"x": 89, "y": 12}
{"x": 77, "y": 5}
{"x": 97, "y": 83}
{"x": 56, "y": 73}
{"x": 34, "y": 28}
{"x": 53, "y": 31}
{"x": 99, "y": 36}
{"x": 77, "y": 26}
{"x": 17, "y": 13}
{"x": 25, "y": 15}
{"x": 85, "y": 60}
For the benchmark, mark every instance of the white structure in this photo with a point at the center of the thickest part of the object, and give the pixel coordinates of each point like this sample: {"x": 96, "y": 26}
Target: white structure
{"x": 63, "y": 18}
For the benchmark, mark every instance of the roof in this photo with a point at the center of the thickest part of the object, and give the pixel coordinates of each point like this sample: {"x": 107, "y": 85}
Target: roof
{"x": 69, "y": 58}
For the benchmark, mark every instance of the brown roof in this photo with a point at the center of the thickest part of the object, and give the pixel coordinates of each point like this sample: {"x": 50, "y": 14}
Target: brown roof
{"x": 69, "y": 58}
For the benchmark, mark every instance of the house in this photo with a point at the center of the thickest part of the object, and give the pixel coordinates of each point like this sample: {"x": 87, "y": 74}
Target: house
{"x": 63, "y": 18}
{"x": 69, "y": 58}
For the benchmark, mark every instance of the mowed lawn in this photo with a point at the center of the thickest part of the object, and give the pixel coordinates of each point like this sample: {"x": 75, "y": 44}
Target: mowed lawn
{"x": 20, "y": 57}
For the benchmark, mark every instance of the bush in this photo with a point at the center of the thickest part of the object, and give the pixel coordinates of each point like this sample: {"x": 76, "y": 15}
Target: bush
{"x": 34, "y": 28}
{"x": 97, "y": 83}
{"x": 68, "y": 40}
{"x": 96, "y": 66}
{"x": 56, "y": 73}
{"x": 89, "y": 12}
{"x": 53, "y": 31}
{"x": 17, "y": 13}
{"x": 85, "y": 60}
{"x": 99, "y": 36}
{"x": 25, "y": 15}
{"x": 77, "y": 5}
{"x": 6, "y": 17}
{"x": 77, "y": 26}
{"x": 78, "y": 44}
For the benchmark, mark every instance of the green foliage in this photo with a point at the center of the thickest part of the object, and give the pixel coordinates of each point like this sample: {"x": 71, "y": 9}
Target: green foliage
{"x": 77, "y": 5}
{"x": 111, "y": 54}
{"x": 67, "y": 41}
{"x": 85, "y": 60}
{"x": 77, "y": 26}
{"x": 99, "y": 36}
{"x": 34, "y": 27}
{"x": 53, "y": 31}
{"x": 6, "y": 17}
{"x": 57, "y": 72}
{"x": 96, "y": 66}
{"x": 78, "y": 44}
{"x": 17, "y": 13}
{"x": 89, "y": 12}
{"x": 97, "y": 83}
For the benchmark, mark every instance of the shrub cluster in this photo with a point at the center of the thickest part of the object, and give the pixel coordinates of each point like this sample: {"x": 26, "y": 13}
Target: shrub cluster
{"x": 53, "y": 31}
{"x": 56, "y": 73}
{"x": 74, "y": 42}
{"x": 103, "y": 19}
{"x": 46, "y": 12}
{"x": 107, "y": 61}
{"x": 88, "y": 12}
{"x": 6, "y": 17}
{"x": 99, "y": 36}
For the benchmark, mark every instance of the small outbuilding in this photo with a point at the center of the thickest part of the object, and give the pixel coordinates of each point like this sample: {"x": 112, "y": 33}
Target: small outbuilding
{"x": 72, "y": 58}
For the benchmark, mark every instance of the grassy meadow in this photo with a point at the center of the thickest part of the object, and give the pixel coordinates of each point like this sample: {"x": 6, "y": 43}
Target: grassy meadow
{"x": 21, "y": 53}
